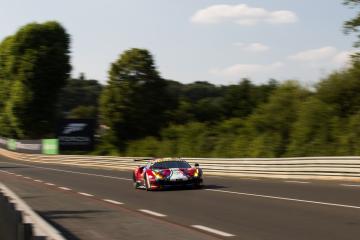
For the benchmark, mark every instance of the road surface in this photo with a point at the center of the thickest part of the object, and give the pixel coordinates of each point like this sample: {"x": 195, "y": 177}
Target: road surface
{"x": 85, "y": 203}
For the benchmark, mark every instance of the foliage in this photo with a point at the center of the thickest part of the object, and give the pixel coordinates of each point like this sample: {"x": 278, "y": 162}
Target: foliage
{"x": 34, "y": 67}
{"x": 79, "y": 92}
{"x": 353, "y": 24}
{"x": 341, "y": 89}
{"x": 293, "y": 121}
{"x": 312, "y": 133}
{"x": 81, "y": 112}
{"x": 134, "y": 104}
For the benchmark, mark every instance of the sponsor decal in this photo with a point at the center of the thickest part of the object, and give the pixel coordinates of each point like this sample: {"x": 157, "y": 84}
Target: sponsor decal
{"x": 76, "y": 134}
{"x": 177, "y": 175}
{"x": 74, "y": 127}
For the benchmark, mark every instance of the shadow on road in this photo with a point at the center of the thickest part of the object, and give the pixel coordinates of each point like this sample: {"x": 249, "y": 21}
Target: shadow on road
{"x": 31, "y": 197}
{"x": 66, "y": 233}
{"x": 69, "y": 214}
{"x": 180, "y": 188}
{"x": 51, "y": 216}
{"x": 213, "y": 186}
{"x": 10, "y": 167}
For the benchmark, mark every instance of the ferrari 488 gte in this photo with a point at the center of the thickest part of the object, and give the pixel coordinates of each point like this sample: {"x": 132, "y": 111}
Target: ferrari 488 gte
{"x": 167, "y": 172}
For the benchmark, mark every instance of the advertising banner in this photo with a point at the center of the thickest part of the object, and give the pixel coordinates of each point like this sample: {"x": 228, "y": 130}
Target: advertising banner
{"x": 24, "y": 146}
{"x": 50, "y": 146}
{"x": 76, "y": 134}
{"x": 11, "y": 144}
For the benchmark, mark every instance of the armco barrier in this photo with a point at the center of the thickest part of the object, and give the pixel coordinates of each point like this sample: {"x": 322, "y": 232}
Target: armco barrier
{"x": 44, "y": 146}
{"x": 19, "y": 222}
{"x": 336, "y": 168}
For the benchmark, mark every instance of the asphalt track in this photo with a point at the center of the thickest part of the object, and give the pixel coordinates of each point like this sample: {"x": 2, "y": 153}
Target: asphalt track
{"x": 87, "y": 203}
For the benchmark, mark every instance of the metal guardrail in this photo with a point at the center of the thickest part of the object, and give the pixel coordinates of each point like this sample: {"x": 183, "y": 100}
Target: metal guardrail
{"x": 19, "y": 222}
{"x": 344, "y": 168}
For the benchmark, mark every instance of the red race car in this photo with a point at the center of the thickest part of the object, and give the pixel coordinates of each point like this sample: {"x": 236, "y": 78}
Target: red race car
{"x": 167, "y": 172}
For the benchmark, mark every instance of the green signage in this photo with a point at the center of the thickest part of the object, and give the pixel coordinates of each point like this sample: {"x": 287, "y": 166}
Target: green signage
{"x": 11, "y": 144}
{"x": 50, "y": 146}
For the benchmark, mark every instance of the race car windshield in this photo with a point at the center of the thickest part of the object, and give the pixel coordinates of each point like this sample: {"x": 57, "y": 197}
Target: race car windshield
{"x": 171, "y": 164}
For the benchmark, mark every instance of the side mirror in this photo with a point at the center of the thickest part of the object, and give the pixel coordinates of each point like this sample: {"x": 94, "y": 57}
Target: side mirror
{"x": 196, "y": 165}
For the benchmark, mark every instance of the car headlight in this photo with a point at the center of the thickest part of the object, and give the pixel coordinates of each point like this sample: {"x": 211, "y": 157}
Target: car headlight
{"x": 196, "y": 174}
{"x": 158, "y": 175}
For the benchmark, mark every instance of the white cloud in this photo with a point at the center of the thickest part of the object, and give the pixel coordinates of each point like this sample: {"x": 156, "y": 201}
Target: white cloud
{"x": 315, "y": 54}
{"x": 252, "y": 47}
{"x": 247, "y": 70}
{"x": 307, "y": 66}
{"x": 242, "y": 14}
{"x": 343, "y": 58}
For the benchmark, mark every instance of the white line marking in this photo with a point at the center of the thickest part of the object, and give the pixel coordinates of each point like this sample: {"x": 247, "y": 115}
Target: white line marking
{"x": 67, "y": 171}
{"x": 113, "y": 201}
{"x": 18, "y": 175}
{"x": 152, "y": 213}
{"x": 221, "y": 233}
{"x": 50, "y": 184}
{"x": 85, "y": 194}
{"x": 295, "y": 182}
{"x": 350, "y": 185}
{"x": 27, "y": 177}
{"x": 65, "y": 188}
{"x": 284, "y": 198}
{"x": 38, "y": 181}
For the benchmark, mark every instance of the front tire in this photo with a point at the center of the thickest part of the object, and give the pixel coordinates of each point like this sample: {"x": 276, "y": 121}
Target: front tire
{"x": 136, "y": 184}
{"x": 147, "y": 183}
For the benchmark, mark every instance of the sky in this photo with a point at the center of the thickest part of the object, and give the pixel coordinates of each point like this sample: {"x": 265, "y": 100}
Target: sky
{"x": 199, "y": 40}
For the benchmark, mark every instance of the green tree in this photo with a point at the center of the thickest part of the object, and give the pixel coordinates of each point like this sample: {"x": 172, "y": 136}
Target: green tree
{"x": 6, "y": 80}
{"x": 271, "y": 124}
{"x": 352, "y": 142}
{"x": 242, "y": 99}
{"x": 196, "y": 91}
{"x": 79, "y": 92}
{"x": 83, "y": 112}
{"x": 238, "y": 100}
{"x": 353, "y": 25}
{"x": 135, "y": 102}
{"x": 341, "y": 90}
{"x": 36, "y": 68}
{"x": 313, "y": 134}
{"x": 6, "y": 65}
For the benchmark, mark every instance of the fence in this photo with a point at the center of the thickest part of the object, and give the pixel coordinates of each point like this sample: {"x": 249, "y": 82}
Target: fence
{"x": 19, "y": 222}
{"x": 44, "y": 146}
{"x": 336, "y": 168}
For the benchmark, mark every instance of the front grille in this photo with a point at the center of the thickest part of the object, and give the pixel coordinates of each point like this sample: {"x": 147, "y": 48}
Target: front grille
{"x": 179, "y": 183}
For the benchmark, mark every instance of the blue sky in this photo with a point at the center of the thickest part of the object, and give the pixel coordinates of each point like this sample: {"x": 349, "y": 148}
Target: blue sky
{"x": 217, "y": 41}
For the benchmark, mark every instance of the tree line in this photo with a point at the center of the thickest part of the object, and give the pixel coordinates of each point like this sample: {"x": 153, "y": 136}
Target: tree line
{"x": 241, "y": 120}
